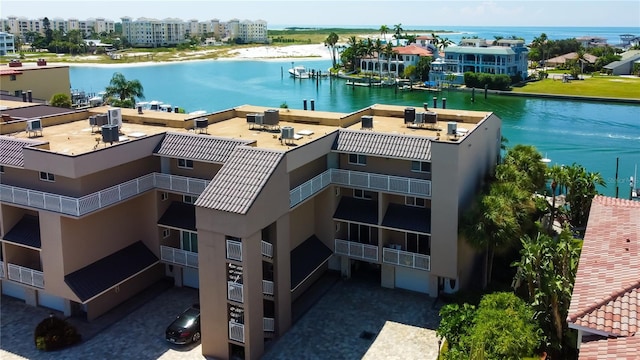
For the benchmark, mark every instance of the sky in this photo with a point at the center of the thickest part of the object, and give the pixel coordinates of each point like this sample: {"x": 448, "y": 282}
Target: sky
{"x": 625, "y": 13}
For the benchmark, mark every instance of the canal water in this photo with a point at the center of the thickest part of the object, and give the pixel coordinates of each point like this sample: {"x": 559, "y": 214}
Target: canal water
{"x": 593, "y": 134}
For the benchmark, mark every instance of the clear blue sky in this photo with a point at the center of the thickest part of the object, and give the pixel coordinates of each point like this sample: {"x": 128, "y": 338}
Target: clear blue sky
{"x": 587, "y": 13}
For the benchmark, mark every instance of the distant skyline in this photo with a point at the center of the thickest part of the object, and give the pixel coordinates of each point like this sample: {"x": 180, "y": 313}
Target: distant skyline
{"x": 621, "y": 13}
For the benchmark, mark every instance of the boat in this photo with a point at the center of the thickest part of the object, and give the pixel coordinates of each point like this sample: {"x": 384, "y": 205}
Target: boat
{"x": 299, "y": 72}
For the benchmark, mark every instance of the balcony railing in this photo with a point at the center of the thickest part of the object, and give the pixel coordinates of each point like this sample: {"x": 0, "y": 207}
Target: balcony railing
{"x": 405, "y": 258}
{"x": 269, "y": 324}
{"x": 1, "y": 269}
{"x": 26, "y": 275}
{"x": 236, "y": 331}
{"x": 234, "y": 250}
{"x": 178, "y": 256}
{"x": 267, "y": 249}
{"x": 395, "y": 184}
{"x": 235, "y": 291}
{"x": 267, "y": 287}
{"x": 103, "y": 198}
{"x": 356, "y": 250}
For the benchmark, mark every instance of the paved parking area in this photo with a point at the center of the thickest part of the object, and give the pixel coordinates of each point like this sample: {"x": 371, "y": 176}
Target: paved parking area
{"x": 355, "y": 319}
{"x": 140, "y": 335}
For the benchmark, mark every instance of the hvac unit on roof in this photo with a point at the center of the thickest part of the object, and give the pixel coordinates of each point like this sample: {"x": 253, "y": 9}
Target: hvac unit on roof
{"x": 271, "y": 117}
{"x": 287, "y": 133}
{"x": 259, "y": 119}
{"x": 452, "y": 128}
{"x": 431, "y": 117}
{"x": 409, "y": 115}
{"x": 419, "y": 118}
{"x": 115, "y": 117}
{"x": 110, "y": 133}
{"x": 34, "y": 126}
{"x": 367, "y": 122}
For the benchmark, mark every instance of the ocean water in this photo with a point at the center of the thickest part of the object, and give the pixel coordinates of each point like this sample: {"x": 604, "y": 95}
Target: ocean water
{"x": 593, "y": 134}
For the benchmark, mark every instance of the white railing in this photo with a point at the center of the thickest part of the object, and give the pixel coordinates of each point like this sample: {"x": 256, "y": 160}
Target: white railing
{"x": 26, "y": 275}
{"x": 396, "y": 184}
{"x": 235, "y": 291}
{"x": 234, "y": 250}
{"x": 267, "y": 287}
{"x": 267, "y": 249}
{"x": 356, "y": 250}
{"x": 1, "y": 269}
{"x": 405, "y": 258}
{"x": 178, "y": 256}
{"x": 236, "y": 331}
{"x": 269, "y": 324}
{"x": 103, "y": 198}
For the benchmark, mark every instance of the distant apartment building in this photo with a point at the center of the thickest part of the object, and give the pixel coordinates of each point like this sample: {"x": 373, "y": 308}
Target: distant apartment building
{"x": 253, "y": 31}
{"x": 251, "y": 205}
{"x": 7, "y": 43}
{"x": 21, "y": 26}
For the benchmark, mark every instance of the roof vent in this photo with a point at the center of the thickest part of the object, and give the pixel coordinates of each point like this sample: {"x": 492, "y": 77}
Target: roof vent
{"x": 367, "y": 122}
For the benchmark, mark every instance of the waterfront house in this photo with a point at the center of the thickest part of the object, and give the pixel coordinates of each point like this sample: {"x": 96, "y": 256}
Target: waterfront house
{"x": 606, "y": 296}
{"x": 507, "y": 57}
{"x": 403, "y": 56}
{"x": 7, "y": 43}
{"x": 251, "y": 205}
{"x": 625, "y": 65}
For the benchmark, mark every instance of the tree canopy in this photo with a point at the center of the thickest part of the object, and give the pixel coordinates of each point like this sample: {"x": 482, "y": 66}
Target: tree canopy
{"x": 122, "y": 92}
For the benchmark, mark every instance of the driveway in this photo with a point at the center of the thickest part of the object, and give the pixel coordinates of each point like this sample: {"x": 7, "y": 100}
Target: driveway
{"x": 357, "y": 319}
{"x": 139, "y": 335}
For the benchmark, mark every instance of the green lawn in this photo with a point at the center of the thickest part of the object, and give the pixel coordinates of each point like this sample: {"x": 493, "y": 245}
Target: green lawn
{"x": 600, "y": 86}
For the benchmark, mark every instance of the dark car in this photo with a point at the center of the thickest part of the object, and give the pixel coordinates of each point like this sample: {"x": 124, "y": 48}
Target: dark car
{"x": 185, "y": 328}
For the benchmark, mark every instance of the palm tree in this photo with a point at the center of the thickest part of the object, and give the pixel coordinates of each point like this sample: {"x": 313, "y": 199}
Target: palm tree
{"x": 377, "y": 47}
{"x": 124, "y": 91}
{"x": 497, "y": 38}
{"x": 540, "y": 42}
{"x": 388, "y": 53}
{"x": 331, "y": 42}
{"x": 397, "y": 31}
{"x": 384, "y": 30}
{"x": 353, "y": 45}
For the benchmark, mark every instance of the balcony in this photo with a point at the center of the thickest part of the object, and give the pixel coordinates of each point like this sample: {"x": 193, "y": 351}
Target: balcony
{"x": 236, "y": 331}
{"x": 267, "y": 287}
{"x": 103, "y": 198}
{"x": 26, "y": 275}
{"x": 235, "y": 291}
{"x": 356, "y": 250}
{"x": 370, "y": 181}
{"x": 267, "y": 249}
{"x": 178, "y": 256}
{"x": 407, "y": 259}
{"x": 234, "y": 250}
{"x": 269, "y": 324}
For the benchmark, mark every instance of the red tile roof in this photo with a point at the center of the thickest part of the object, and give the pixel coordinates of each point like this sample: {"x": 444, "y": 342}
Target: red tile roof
{"x": 626, "y": 348}
{"x": 606, "y": 294}
{"x": 412, "y": 49}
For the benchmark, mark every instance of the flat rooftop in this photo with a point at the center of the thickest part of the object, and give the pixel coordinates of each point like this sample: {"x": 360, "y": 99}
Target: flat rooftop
{"x": 72, "y": 133}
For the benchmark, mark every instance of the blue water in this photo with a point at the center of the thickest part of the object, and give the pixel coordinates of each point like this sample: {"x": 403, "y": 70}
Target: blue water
{"x": 589, "y": 133}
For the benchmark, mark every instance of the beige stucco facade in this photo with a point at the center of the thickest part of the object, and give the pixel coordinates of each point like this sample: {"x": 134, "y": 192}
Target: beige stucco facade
{"x": 30, "y": 77}
{"x": 334, "y": 197}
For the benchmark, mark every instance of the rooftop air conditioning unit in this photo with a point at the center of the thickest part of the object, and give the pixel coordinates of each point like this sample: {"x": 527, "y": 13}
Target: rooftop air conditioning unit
{"x": 259, "y": 119}
{"x": 115, "y": 117}
{"x": 110, "y": 133}
{"x": 452, "y": 128}
{"x": 287, "y": 133}
{"x": 201, "y": 123}
{"x": 367, "y": 122}
{"x": 419, "y": 118}
{"x": 271, "y": 117}
{"x": 34, "y": 125}
{"x": 431, "y": 117}
{"x": 409, "y": 114}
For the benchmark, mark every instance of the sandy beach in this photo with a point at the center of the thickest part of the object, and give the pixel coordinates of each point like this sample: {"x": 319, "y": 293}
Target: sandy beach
{"x": 263, "y": 53}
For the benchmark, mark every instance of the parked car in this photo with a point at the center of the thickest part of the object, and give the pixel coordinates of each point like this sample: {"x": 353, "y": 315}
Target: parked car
{"x": 185, "y": 328}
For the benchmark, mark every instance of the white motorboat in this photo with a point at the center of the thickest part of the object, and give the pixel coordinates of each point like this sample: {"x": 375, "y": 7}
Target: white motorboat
{"x": 299, "y": 72}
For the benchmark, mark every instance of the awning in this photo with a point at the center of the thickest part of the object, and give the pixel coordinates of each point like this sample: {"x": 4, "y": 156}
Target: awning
{"x": 357, "y": 210}
{"x": 25, "y": 232}
{"x": 179, "y": 215}
{"x": 102, "y": 275}
{"x": 410, "y": 218}
{"x": 306, "y": 258}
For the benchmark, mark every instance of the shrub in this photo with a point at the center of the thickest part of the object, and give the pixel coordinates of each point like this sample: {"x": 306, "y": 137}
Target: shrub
{"x": 54, "y": 333}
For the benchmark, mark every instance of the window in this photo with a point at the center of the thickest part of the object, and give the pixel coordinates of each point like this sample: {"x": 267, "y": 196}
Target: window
{"x": 188, "y": 199}
{"x": 1, "y": 169}
{"x": 363, "y": 234}
{"x": 357, "y": 159}
{"x": 420, "y": 166}
{"x": 185, "y": 163}
{"x": 12, "y": 77}
{"x": 414, "y": 201}
{"x": 45, "y": 176}
{"x": 166, "y": 233}
{"x": 164, "y": 196}
{"x": 189, "y": 241}
{"x": 362, "y": 194}
{"x": 417, "y": 243}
